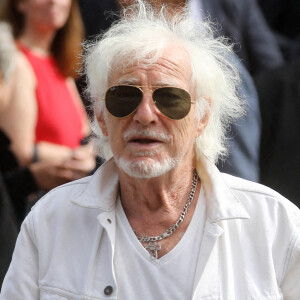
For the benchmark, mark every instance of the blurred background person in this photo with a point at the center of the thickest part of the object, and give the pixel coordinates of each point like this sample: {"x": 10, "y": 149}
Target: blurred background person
{"x": 242, "y": 22}
{"x": 45, "y": 118}
{"x": 279, "y": 93}
{"x": 245, "y": 26}
{"x": 97, "y": 15}
{"x": 8, "y": 227}
{"x": 244, "y": 134}
{"x": 16, "y": 182}
{"x": 283, "y": 19}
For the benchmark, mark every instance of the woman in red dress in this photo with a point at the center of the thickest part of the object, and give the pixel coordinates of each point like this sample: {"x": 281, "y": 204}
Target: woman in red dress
{"x": 45, "y": 118}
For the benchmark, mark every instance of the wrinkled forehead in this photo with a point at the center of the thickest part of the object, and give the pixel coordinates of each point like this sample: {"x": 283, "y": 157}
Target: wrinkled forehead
{"x": 172, "y": 62}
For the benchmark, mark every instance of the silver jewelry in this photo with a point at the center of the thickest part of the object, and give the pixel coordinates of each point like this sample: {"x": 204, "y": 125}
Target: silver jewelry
{"x": 153, "y": 247}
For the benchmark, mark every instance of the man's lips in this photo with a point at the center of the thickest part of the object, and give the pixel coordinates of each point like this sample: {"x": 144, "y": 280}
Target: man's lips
{"x": 143, "y": 141}
{"x": 145, "y": 137}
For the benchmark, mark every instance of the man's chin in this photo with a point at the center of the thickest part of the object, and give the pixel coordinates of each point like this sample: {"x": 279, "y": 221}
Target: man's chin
{"x": 146, "y": 168}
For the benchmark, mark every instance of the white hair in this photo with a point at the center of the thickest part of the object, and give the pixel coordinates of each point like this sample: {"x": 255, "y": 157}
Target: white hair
{"x": 142, "y": 34}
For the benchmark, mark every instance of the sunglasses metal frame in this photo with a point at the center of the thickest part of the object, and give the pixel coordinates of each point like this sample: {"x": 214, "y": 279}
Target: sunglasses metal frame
{"x": 140, "y": 87}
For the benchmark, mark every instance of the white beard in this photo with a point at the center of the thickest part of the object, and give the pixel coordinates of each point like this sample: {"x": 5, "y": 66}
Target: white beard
{"x": 147, "y": 169}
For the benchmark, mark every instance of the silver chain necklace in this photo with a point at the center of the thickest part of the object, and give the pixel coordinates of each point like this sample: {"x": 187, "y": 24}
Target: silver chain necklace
{"x": 153, "y": 247}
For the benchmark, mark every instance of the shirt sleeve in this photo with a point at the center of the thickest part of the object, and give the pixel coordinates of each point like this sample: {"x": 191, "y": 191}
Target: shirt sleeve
{"x": 290, "y": 286}
{"x": 21, "y": 280}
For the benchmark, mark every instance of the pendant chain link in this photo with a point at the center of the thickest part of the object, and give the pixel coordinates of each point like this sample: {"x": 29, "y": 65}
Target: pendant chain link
{"x": 152, "y": 246}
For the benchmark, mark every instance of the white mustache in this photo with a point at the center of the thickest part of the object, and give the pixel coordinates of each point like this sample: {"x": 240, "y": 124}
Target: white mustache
{"x": 146, "y": 133}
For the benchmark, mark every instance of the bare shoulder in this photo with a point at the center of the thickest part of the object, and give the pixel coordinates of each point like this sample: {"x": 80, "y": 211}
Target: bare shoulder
{"x": 23, "y": 82}
{"x": 24, "y": 70}
{"x": 18, "y": 119}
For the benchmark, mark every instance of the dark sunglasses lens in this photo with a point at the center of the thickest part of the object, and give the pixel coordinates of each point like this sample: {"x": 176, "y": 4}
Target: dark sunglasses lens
{"x": 122, "y": 100}
{"x": 175, "y": 103}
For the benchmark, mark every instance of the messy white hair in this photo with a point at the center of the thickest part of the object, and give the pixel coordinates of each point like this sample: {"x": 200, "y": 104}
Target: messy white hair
{"x": 142, "y": 34}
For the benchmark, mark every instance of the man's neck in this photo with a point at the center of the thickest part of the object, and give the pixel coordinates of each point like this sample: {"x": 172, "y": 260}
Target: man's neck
{"x": 152, "y": 205}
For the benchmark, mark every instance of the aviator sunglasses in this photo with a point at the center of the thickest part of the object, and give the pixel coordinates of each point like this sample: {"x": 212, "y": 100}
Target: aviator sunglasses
{"x": 123, "y": 100}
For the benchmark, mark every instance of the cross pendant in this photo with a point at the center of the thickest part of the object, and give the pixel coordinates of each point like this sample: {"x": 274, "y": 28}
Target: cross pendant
{"x": 153, "y": 248}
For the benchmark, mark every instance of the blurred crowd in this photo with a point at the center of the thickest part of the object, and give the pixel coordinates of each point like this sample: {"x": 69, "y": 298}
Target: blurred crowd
{"x": 45, "y": 139}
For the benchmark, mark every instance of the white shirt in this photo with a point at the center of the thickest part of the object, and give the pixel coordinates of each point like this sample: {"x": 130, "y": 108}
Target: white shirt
{"x": 176, "y": 269}
{"x": 250, "y": 247}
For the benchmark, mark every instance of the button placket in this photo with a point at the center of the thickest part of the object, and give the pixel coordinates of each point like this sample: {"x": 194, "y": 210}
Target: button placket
{"x": 107, "y": 220}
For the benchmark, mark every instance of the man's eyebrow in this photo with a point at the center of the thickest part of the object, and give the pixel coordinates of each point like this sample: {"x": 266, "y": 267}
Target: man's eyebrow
{"x": 135, "y": 81}
{"x": 164, "y": 83}
{"x": 129, "y": 81}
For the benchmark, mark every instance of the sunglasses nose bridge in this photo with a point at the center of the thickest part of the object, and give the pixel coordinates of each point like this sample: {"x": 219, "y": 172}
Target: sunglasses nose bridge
{"x": 146, "y": 110}
{"x": 147, "y": 94}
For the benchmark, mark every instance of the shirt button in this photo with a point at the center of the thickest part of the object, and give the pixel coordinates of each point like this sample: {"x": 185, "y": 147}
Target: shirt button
{"x": 108, "y": 290}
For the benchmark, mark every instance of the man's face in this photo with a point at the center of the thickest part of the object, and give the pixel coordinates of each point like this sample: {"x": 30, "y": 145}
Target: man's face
{"x": 146, "y": 143}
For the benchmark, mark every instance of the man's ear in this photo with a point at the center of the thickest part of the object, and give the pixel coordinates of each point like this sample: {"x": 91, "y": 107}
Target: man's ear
{"x": 101, "y": 121}
{"x": 204, "y": 120}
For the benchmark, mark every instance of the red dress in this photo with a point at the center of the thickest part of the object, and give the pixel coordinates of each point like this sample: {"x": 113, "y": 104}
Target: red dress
{"x": 59, "y": 120}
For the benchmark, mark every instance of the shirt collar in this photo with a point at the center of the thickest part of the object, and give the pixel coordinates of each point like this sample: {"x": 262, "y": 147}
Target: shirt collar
{"x": 102, "y": 189}
{"x": 222, "y": 203}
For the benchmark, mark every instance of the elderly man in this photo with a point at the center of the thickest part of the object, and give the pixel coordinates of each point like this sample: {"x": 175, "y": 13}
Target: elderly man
{"x": 158, "y": 220}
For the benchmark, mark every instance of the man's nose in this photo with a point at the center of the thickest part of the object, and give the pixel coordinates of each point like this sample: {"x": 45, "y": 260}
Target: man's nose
{"x": 147, "y": 111}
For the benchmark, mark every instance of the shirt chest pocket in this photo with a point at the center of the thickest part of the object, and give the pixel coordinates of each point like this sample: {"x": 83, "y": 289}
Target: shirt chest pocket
{"x": 45, "y": 295}
{"x": 49, "y": 293}
{"x": 279, "y": 297}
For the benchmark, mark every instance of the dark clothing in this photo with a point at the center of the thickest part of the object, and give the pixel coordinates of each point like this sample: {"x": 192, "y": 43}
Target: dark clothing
{"x": 244, "y": 136}
{"x": 96, "y": 15}
{"x": 279, "y": 93}
{"x": 283, "y": 18}
{"x": 243, "y": 22}
{"x": 19, "y": 181}
{"x": 8, "y": 230}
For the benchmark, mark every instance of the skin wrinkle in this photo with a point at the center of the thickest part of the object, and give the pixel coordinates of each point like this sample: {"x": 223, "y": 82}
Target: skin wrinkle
{"x": 163, "y": 64}
{"x": 141, "y": 75}
{"x": 172, "y": 68}
{"x": 159, "y": 210}
{"x": 154, "y": 204}
{"x": 142, "y": 78}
